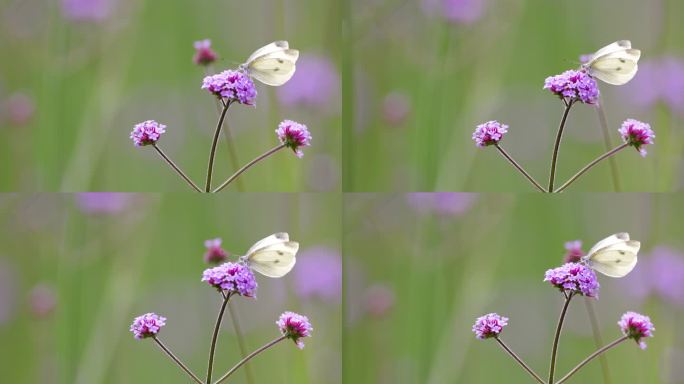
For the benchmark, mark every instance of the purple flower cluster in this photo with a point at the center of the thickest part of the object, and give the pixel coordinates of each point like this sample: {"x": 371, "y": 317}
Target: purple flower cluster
{"x": 294, "y": 135}
{"x": 573, "y": 86}
{"x": 489, "y": 133}
{"x": 204, "y": 55}
{"x": 232, "y": 278}
{"x": 147, "y": 325}
{"x": 295, "y": 327}
{"x": 489, "y": 325}
{"x": 574, "y": 278}
{"x": 214, "y": 253}
{"x": 573, "y": 252}
{"x": 147, "y": 132}
{"x": 232, "y": 86}
{"x": 636, "y": 326}
{"x": 637, "y": 134}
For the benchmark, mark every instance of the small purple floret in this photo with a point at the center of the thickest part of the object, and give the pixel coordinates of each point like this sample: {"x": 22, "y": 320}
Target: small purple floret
{"x": 574, "y": 86}
{"x": 147, "y": 132}
{"x": 204, "y": 55}
{"x": 232, "y": 278}
{"x": 637, "y": 134}
{"x": 489, "y": 133}
{"x": 295, "y": 327}
{"x": 294, "y": 135}
{"x": 489, "y": 325}
{"x": 214, "y": 253}
{"x": 636, "y": 326}
{"x": 147, "y": 325}
{"x": 574, "y": 278}
{"x": 233, "y": 86}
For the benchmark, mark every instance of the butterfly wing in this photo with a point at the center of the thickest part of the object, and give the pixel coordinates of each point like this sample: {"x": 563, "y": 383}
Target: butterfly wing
{"x": 616, "y": 68}
{"x": 275, "y": 238}
{"x": 616, "y": 260}
{"x": 274, "y": 68}
{"x": 619, "y": 45}
{"x": 610, "y": 240}
{"x": 275, "y": 46}
{"x": 274, "y": 260}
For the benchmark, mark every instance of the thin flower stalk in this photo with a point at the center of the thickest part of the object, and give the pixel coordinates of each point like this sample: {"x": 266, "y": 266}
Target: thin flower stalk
{"x": 592, "y": 357}
{"x": 176, "y": 360}
{"x": 249, "y": 357}
{"x": 176, "y": 168}
{"x": 520, "y": 361}
{"x": 556, "y": 147}
{"x": 591, "y": 165}
{"x": 519, "y": 168}
{"x": 247, "y": 166}
{"x": 556, "y": 339}
{"x": 214, "y": 337}
{"x": 214, "y": 143}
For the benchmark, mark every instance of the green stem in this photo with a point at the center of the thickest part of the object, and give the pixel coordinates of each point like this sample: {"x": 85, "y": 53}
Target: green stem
{"x": 519, "y": 360}
{"x": 598, "y": 340}
{"x": 176, "y": 168}
{"x": 608, "y": 145}
{"x": 176, "y": 360}
{"x": 559, "y": 328}
{"x": 249, "y": 357}
{"x": 235, "y": 320}
{"x": 556, "y": 147}
{"x": 248, "y": 165}
{"x": 590, "y": 165}
{"x": 214, "y": 143}
{"x": 214, "y": 337}
{"x": 519, "y": 168}
{"x": 592, "y": 357}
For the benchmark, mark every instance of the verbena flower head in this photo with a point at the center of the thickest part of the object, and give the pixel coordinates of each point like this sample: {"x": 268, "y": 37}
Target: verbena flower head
{"x": 489, "y": 325}
{"x": 232, "y": 278}
{"x": 147, "y": 325}
{"x": 574, "y": 251}
{"x": 295, "y": 327}
{"x": 232, "y": 86}
{"x": 489, "y": 133}
{"x": 147, "y": 132}
{"x": 214, "y": 253}
{"x": 294, "y": 135}
{"x": 574, "y": 85}
{"x": 637, "y": 134}
{"x": 574, "y": 278}
{"x": 636, "y": 326}
{"x": 204, "y": 55}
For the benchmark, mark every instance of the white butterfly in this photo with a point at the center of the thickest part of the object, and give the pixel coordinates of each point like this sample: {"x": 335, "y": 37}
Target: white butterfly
{"x": 614, "y": 256}
{"x": 615, "y": 63}
{"x": 273, "y": 64}
{"x": 273, "y": 256}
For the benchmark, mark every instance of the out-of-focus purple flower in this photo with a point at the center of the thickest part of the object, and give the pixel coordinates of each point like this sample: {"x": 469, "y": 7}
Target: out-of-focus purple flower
{"x": 379, "y": 300}
{"x": 18, "y": 109}
{"x": 295, "y": 327}
{"x": 442, "y": 203}
{"x": 666, "y": 270}
{"x": 636, "y": 326}
{"x": 102, "y": 202}
{"x": 214, "y": 253}
{"x": 147, "y": 132}
{"x": 294, "y": 135}
{"x": 489, "y": 325}
{"x": 574, "y": 278}
{"x": 489, "y": 133}
{"x": 42, "y": 301}
{"x": 147, "y": 325}
{"x": 319, "y": 274}
{"x": 456, "y": 11}
{"x": 573, "y": 85}
{"x": 573, "y": 252}
{"x": 204, "y": 55}
{"x": 637, "y": 134}
{"x": 396, "y": 106}
{"x": 231, "y": 85}
{"x": 232, "y": 278}
{"x": 316, "y": 84}
{"x": 659, "y": 80}
{"x": 87, "y": 10}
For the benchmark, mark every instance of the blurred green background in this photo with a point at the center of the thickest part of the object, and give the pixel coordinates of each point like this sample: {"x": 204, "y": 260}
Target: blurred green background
{"x": 419, "y": 269}
{"x": 76, "y": 75}
{"x": 76, "y": 269}
{"x": 427, "y": 72}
